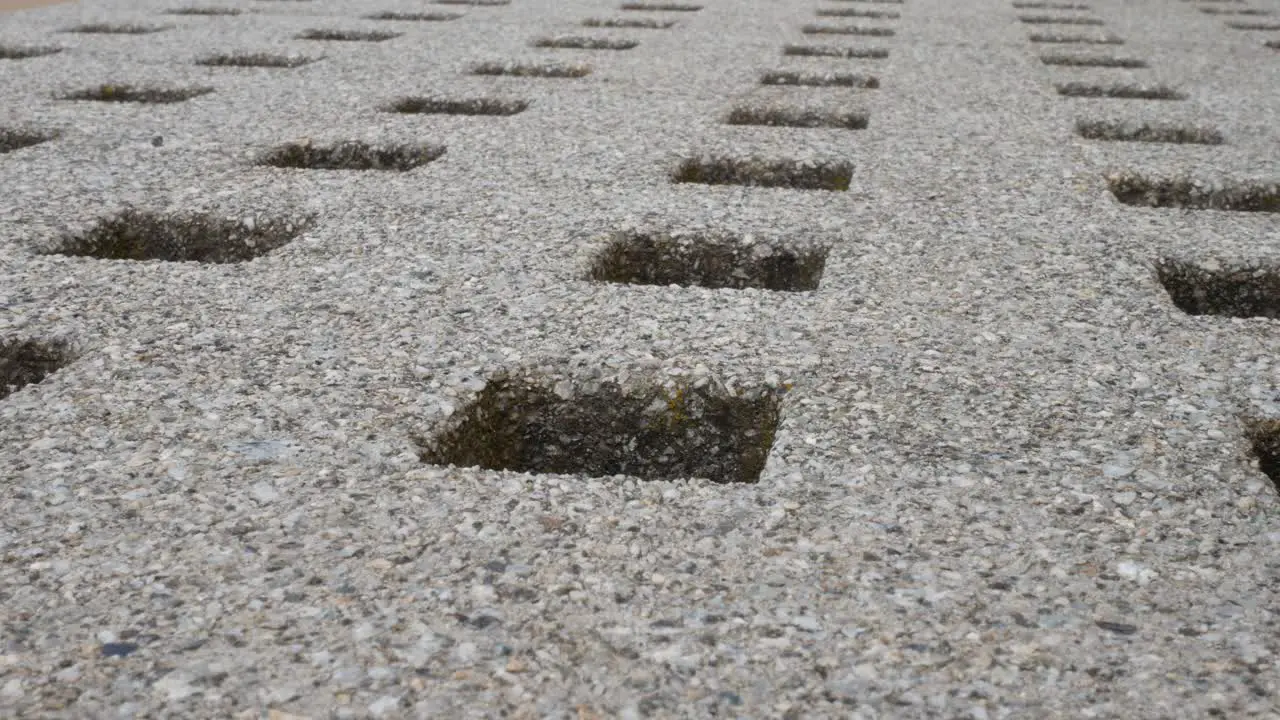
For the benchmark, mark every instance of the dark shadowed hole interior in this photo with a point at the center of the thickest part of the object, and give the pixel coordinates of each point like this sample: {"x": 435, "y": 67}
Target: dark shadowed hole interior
{"x": 711, "y": 261}
{"x": 426, "y": 105}
{"x": 255, "y": 60}
{"x": 350, "y": 155}
{"x": 585, "y": 43}
{"x": 116, "y": 29}
{"x": 861, "y": 30}
{"x": 519, "y": 425}
{"x": 415, "y": 16}
{"x": 136, "y": 94}
{"x": 1103, "y": 61}
{"x": 1264, "y": 439}
{"x": 16, "y": 139}
{"x": 798, "y": 117}
{"x": 1147, "y": 132}
{"x": 765, "y": 173}
{"x": 23, "y": 52}
{"x": 835, "y": 51}
{"x": 1241, "y": 291}
{"x": 208, "y": 11}
{"x": 540, "y": 70}
{"x": 640, "y": 23}
{"x": 348, "y": 35}
{"x": 1119, "y": 91}
{"x": 26, "y": 362}
{"x": 141, "y": 235}
{"x": 819, "y": 79}
{"x": 660, "y": 7}
{"x": 1075, "y": 39}
{"x": 1184, "y": 193}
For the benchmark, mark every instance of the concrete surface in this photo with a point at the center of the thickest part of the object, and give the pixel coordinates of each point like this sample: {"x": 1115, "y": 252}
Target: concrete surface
{"x": 988, "y": 468}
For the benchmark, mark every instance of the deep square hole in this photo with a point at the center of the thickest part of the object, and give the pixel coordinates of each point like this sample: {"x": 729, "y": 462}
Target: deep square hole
{"x": 819, "y": 79}
{"x": 754, "y": 172}
{"x": 1240, "y": 291}
{"x": 640, "y": 23}
{"x": 475, "y": 3}
{"x": 350, "y": 155}
{"x": 1273, "y": 44}
{"x": 1102, "y": 61}
{"x": 16, "y": 138}
{"x": 426, "y": 105}
{"x": 585, "y": 43}
{"x": 847, "y": 30}
{"x": 138, "y": 94}
{"x": 541, "y": 70}
{"x": 415, "y": 16}
{"x": 707, "y": 260}
{"x": 142, "y": 235}
{"x": 797, "y": 117}
{"x": 255, "y": 60}
{"x": 1265, "y": 26}
{"x": 348, "y": 35}
{"x": 1074, "y": 39}
{"x": 835, "y": 51}
{"x": 1049, "y": 6}
{"x": 1134, "y": 189}
{"x": 660, "y": 7}
{"x": 1147, "y": 132}
{"x": 522, "y": 425}
{"x": 20, "y": 52}
{"x": 1233, "y": 11}
{"x": 1054, "y": 20}
{"x": 116, "y": 29}
{"x": 1119, "y": 91}
{"x": 1264, "y": 440}
{"x": 854, "y": 12}
{"x": 203, "y": 11}
{"x": 27, "y": 362}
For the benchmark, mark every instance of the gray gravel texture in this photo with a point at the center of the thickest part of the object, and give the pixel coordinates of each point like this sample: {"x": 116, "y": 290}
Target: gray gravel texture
{"x": 1010, "y": 479}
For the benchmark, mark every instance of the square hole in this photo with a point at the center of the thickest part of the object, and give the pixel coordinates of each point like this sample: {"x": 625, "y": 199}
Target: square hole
{"x": 835, "y": 51}
{"x": 1264, "y": 26}
{"x": 141, "y": 235}
{"x": 428, "y": 105}
{"x": 475, "y": 3}
{"x": 27, "y": 362}
{"x": 211, "y": 11}
{"x": 862, "y": 30}
{"x": 1049, "y": 6}
{"x": 854, "y": 12}
{"x": 820, "y": 79}
{"x": 348, "y": 35}
{"x": 415, "y": 17}
{"x": 17, "y": 138}
{"x": 797, "y": 117}
{"x": 1102, "y": 61}
{"x": 635, "y": 23}
{"x": 585, "y": 43}
{"x": 539, "y": 70}
{"x": 23, "y": 52}
{"x": 1238, "y": 291}
{"x": 1055, "y": 20}
{"x": 1184, "y": 193}
{"x": 264, "y": 60}
{"x": 350, "y": 155}
{"x": 754, "y": 172}
{"x": 138, "y": 94}
{"x": 1119, "y": 91}
{"x": 116, "y": 29}
{"x": 660, "y": 7}
{"x": 710, "y": 260}
{"x": 1264, "y": 441}
{"x": 1147, "y": 132}
{"x": 1074, "y": 39}
{"x": 522, "y": 425}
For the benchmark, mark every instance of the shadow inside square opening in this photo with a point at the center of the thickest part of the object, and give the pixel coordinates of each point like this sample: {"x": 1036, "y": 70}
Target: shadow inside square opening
{"x": 519, "y": 424}
{"x": 718, "y": 261}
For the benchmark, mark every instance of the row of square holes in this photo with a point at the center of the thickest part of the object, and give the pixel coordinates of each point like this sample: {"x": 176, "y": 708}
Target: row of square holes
{"x": 1130, "y": 188}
